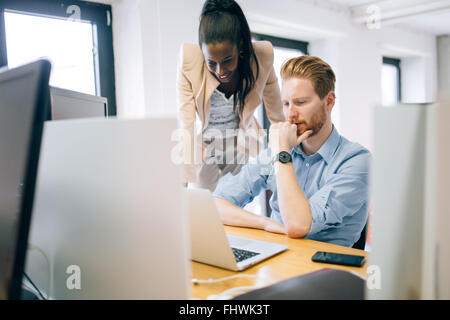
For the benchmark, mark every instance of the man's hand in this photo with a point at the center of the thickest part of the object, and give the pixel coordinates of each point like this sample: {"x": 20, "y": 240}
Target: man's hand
{"x": 283, "y": 137}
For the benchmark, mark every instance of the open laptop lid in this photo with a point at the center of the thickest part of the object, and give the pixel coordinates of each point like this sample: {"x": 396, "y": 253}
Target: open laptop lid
{"x": 24, "y": 106}
{"x": 209, "y": 242}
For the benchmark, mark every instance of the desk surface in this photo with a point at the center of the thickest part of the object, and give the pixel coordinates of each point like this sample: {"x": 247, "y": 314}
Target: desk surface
{"x": 293, "y": 262}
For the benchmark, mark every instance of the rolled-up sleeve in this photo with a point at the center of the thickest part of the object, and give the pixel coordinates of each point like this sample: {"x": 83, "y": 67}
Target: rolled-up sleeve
{"x": 343, "y": 195}
{"x": 242, "y": 188}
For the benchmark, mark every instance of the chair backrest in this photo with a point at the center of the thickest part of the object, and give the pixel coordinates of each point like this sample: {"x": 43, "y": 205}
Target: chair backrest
{"x": 361, "y": 243}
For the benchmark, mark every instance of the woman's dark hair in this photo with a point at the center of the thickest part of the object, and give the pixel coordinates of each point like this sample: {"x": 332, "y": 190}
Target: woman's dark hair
{"x": 223, "y": 20}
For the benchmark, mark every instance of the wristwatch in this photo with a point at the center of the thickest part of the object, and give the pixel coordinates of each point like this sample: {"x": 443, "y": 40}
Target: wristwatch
{"x": 283, "y": 157}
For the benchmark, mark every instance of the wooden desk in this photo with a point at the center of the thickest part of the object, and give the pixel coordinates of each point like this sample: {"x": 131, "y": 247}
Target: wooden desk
{"x": 293, "y": 262}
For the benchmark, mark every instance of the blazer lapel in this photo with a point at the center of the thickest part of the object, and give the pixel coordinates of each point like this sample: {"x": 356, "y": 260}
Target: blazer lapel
{"x": 209, "y": 84}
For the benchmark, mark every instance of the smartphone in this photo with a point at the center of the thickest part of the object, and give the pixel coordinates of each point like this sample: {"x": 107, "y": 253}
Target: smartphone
{"x": 338, "y": 258}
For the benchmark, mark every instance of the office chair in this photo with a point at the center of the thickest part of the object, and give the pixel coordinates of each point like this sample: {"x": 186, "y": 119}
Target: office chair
{"x": 361, "y": 243}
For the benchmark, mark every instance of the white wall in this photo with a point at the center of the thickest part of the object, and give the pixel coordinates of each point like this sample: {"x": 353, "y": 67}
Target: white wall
{"x": 147, "y": 36}
{"x": 165, "y": 25}
{"x": 128, "y": 58}
{"x": 354, "y": 51}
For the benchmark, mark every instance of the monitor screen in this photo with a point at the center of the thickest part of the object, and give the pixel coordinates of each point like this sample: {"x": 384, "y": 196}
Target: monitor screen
{"x": 399, "y": 179}
{"x": 24, "y": 106}
{"x": 67, "y": 104}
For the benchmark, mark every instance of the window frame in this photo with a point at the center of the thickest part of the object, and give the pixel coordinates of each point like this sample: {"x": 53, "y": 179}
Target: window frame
{"x": 98, "y": 14}
{"x": 396, "y": 63}
{"x": 283, "y": 42}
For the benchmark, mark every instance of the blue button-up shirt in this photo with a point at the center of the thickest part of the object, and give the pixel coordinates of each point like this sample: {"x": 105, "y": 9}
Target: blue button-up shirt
{"x": 335, "y": 180}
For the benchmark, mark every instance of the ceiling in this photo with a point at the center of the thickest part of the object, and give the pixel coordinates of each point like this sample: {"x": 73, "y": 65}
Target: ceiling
{"x": 426, "y": 15}
{"x": 432, "y": 16}
{"x": 437, "y": 23}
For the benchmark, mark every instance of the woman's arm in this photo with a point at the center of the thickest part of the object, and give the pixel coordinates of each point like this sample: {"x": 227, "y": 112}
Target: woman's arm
{"x": 272, "y": 98}
{"x": 186, "y": 116}
{"x": 271, "y": 92}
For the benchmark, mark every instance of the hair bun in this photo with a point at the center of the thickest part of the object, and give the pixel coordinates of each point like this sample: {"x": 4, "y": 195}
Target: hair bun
{"x": 212, "y": 6}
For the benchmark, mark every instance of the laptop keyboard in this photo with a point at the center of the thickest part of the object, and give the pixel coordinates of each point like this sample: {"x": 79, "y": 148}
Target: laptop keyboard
{"x": 241, "y": 255}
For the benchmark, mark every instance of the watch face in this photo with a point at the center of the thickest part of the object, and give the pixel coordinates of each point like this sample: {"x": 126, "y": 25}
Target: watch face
{"x": 284, "y": 157}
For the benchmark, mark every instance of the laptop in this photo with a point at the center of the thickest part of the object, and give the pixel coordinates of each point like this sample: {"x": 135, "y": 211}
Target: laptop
{"x": 24, "y": 106}
{"x": 211, "y": 245}
{"x": 108, "y": 211}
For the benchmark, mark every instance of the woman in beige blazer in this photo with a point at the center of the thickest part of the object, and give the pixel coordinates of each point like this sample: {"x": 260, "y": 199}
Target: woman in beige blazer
{"x": 220, "y": 83}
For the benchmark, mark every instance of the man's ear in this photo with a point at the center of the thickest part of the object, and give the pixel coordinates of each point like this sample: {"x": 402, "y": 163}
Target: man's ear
{"x": 331, "y": 99}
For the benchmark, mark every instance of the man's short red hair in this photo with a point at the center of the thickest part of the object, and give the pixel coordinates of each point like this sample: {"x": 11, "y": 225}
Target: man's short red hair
{"x": 312, "y": 68}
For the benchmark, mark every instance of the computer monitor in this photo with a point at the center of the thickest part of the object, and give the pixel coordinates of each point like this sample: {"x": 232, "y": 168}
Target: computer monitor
{"x": 442, "y": 207}
{"x": 109, "y": 212}
{"x": 67, "y": 104}
{"x": 24, "y": 106}
{"x": 410, "y": 245}
{"x": 398, "y": 200}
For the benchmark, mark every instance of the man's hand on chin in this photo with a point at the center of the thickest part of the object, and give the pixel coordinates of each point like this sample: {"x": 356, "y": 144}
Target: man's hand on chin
{"x": 283, "y": 137}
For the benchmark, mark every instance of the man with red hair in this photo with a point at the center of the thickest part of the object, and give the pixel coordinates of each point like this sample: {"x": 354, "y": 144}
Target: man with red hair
{"x": 318, "y": 178}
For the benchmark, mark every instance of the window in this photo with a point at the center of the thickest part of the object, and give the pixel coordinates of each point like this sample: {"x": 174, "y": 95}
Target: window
{"x": 76, "y": 36}
{"x": 72, "y": 56}
{"x": 390, "y": 82}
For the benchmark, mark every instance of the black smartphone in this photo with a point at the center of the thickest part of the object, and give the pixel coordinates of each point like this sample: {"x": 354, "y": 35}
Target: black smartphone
{"x": 338, "y": 258}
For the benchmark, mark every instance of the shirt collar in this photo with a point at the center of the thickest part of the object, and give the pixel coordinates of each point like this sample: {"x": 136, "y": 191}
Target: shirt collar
{"x": 327, "y": 150}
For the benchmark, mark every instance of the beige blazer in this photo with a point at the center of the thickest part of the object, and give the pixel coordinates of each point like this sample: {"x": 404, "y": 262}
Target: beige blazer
{"x": 195, "y": 85}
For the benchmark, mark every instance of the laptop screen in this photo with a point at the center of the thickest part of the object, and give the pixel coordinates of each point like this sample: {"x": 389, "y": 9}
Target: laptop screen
{"x": 24, "y": 106}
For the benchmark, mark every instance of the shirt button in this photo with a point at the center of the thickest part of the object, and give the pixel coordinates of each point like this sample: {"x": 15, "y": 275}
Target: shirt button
{"x": 307, "y": 165}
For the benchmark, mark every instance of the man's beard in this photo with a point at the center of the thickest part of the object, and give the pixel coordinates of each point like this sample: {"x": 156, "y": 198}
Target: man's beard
{"x": 315, "y": 124}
